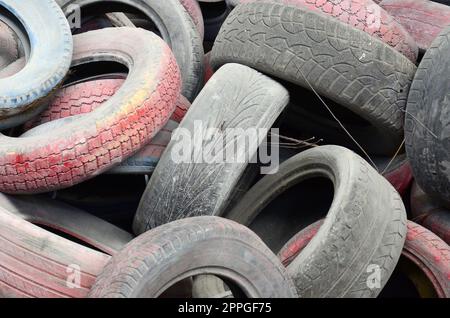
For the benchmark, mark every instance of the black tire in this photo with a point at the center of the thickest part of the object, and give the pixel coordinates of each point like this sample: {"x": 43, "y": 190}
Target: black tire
{"x": 176, "y": 28}
{"x": 160, "y": 258}
{"x": 353, "y": 69}
{"x": 69, "y": 220}
{"x": 236, "y": 97}
{"x": 51, "y": 44}
{"x": 427, "y": 121}
{"x": 365, "y": 220}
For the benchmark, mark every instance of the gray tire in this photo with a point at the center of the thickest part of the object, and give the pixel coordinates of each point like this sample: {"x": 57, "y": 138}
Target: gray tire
{"x": 51, "y": 45}
{"x": 341, "y": 63}
{"x": 160, "y": 258}
{"x": 177, "y": 29}
{"x": 236, "y": 97}
{"x": 365, "y": 225}
{"x": 428, "y": 121}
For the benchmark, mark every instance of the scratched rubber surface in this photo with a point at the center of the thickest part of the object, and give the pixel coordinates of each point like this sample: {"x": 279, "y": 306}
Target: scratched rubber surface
{"x": 341, "y": 63}
{"x": 89, "y": 144}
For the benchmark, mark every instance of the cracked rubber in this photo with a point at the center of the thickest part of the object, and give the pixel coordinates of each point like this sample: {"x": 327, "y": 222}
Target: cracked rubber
{"x": 341, "y": 63}
{"x": 51, "y": 44}
{"x": 35, "y": 262}
{"x": 90, "y": 144}
{"x": 236, "y": 97}
{"x": 430, "y": 214}
{"x": 427, "y": 128}
{"x": 69, "y": 220}
{"x": 365, "y": 222}
{"x": 177, "y": 28}
{"x": 364, "y": 15}
{"x": 202, "y": 245}
{"x": 422, "y": 247}
{"x": 423, "y": 19}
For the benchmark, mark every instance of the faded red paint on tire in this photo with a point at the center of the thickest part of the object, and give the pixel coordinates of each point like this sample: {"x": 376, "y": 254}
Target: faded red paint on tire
{"x": 430, "y": 214}
{"x": 400, "y": 176}
{"x": 365, "y": 15}
{"x": 35, "y": 262}
{"x": 423, "y": 19}
{"x": 193, "y": 8}
{"x": 422, "y": 247}
{"x": 93, "y": 144}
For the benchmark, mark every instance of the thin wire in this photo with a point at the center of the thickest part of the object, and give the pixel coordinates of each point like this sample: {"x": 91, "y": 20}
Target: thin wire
{"x": 395, "y": 156}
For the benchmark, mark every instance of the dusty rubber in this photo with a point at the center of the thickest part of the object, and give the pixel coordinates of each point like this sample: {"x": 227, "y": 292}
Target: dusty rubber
{"x": 399, "y": 172}
{"x": 430, "y": 214}
{"x": 427, "y": 121}
{"x": 69, "y": 155}
{"x": 176, "y": 28}
{"x": 9, "y": 50}
{"x": 201, "y": 245}
{"x": 422, "y": 247}
{"x": 35, "y": 262}
{"x": 372, "y": 79}
{"x": 236, "y": 97}
{"x": 423, "y": 19}
{"x": 45, "y": 69}
{"x": 210, "y": 286}
{"x": 193, "y": 8}
{"x": 365, "y": 221}
{"x": 364, "y": 15}
{"x": 64, "y": 218}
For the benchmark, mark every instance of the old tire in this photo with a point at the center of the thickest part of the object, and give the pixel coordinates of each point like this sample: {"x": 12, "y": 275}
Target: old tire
{"x": 9, "y": 49}
{"x": 51, "y": 43}
{"x": 423, "y": 248}
{"x": 371, "y": 79}
{"x": 430, "y": 214}
{"x": 37, "y": 263}
{"x": 176, "y": 28}
{"x": 89, "y": 144}
{"x": 69, "y": 220}
{"x": 236, "y": 97}
{"x": 427, "y": 127}
{"x": 204, "y": 245}
{"x": 365, "y": 220}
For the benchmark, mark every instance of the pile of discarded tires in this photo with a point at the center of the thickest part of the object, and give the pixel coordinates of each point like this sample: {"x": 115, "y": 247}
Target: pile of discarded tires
{"x": 95, "y": 107}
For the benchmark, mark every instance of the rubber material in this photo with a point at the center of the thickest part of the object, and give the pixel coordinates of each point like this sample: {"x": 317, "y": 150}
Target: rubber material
{"x": 176, "y": 28}
{"x": 422, "y": 247}
{"x": 423, "y": 19}
{"x": 37, "y": 263}
{"x": 399, "y": 173}
{"x": 371, "y": 79}
{"x": 365, "y": 220}
{"x": 64, "y": 218}
{"x": 236, "y": 97}
{"x": 9, "y": 50}
{"x": 364, "y": 15}
{"x": 130, "y": 119}
{"x": 203, "y": 245}
{"x": 193, "y": 8}
{"x": 430, "y": 214}
{"x": 210, "y": 286}
{"x": 427, "y": 127}
{"x": 51, "y": 44}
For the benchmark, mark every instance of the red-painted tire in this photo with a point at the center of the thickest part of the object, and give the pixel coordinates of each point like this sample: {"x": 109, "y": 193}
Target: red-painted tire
{"x": 430, "y": 214}
{"x": 193, "y": 8}
{"x": 423, "y": 19}
{"x": 399, "y": 172}
{"x": 365, "y": 15}
{"x": 89, "y": 144}
{"x": 428, "y": 252}
{"x": 37, "y": 263}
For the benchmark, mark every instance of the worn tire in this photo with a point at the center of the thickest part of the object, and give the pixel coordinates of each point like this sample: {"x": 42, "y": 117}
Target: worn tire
{"x": 193, "y": 8}
{"x": 176, "y": 27}
{"x": 46, "y": 68}
{"x": 236, "y": 97}
{"x": 202, "y": 245}
{"x": 422, "y": 247}
{"x": 210, "y": 286}
{"x": 69, "y": 220}
{"x": 9, "y": 49}
{"x": 423, "y": 19}
{"x": 89, "y": 144}
{"x": 355, "y": 70}
{"x": 35, "y": 262}
{"x": 399, "y": 173}
{"x": 430, "y": 214}
{"x": 364, "y": 15}
{"x": 429, "y": 106}
{"x": 365, "y": 220}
